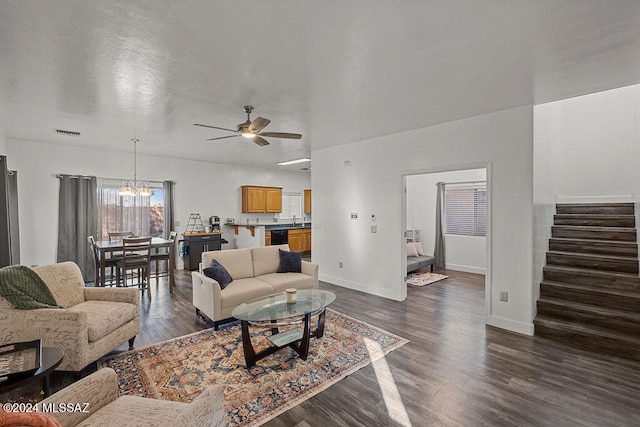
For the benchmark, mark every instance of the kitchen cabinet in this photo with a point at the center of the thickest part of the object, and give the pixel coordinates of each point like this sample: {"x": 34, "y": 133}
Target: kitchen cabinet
{"x": 195, "y": 244}
{"x": 267, "y": 238}
{"x": 300, "y": 239}
{"x": 307, "y": 201}
{"x": 257, "y": 199}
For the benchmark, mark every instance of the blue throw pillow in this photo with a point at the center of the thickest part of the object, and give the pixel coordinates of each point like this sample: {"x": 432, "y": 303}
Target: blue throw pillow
{"x": 218, "y": 273}
{"x": 290, "y": 262}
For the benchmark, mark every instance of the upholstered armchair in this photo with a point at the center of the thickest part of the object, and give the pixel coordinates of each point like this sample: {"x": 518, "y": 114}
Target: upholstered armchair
{"x": 91, "y": 323}
{"x": 105, "y": 408}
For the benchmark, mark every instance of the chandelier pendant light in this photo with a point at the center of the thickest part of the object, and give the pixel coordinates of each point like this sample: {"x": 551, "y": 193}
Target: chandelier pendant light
{"x": 135, "y": 187}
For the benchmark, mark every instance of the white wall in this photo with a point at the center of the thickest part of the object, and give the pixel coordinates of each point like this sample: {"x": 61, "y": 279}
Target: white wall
{"x": 463, "y": 253}
{"x": 3, "y": 143}
{"x": 372, "y": 181}
{"x": 201, "y": 187}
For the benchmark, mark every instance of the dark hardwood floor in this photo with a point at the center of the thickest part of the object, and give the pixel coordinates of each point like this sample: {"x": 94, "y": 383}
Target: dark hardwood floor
{"x": 454, "y": 371}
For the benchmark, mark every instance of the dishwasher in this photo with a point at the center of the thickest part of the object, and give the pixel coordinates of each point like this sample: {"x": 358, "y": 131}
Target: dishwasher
{"x": 279, "y": 237}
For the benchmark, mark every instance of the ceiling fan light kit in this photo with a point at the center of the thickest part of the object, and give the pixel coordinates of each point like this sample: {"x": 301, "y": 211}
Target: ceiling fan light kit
{"x": 252, "y": 130}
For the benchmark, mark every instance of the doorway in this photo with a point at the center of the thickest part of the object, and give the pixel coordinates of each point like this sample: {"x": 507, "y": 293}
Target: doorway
{"x": 466, "y": 224}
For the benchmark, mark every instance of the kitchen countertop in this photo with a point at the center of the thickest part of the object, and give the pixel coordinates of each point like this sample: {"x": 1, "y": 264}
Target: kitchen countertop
{"x": 273, "y": 226}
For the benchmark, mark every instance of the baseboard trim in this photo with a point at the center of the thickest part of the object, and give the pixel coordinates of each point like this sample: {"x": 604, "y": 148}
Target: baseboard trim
{"x": 466, "y": 268}
{"x": 511, "y": 325}
{"x": 356, "y": 286}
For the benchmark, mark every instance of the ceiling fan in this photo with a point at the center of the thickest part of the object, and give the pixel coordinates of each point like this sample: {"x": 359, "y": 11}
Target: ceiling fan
{"x": 253, "y": 130}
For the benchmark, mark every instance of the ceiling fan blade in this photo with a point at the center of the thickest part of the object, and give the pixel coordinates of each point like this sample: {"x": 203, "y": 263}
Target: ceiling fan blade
{"x": 281, "y": 135}
{"x": 222, "y": 137}
{"x": 260, "y": 141}
{"x": 258, "y": 124}
{"x": 214, "y": 127}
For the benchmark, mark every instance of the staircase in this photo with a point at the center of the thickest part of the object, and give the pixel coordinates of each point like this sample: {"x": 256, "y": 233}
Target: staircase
{"x": 590, "y": 292}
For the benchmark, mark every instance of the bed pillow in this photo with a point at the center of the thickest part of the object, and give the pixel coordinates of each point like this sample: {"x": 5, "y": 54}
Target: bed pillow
{"x": 290, "y": 262}
{"x": 419, "y": 249}
{"x": 218, "y": 273}
{"x": 411, "y": 249}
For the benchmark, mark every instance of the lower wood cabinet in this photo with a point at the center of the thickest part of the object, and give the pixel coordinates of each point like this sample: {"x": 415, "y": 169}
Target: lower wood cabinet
{"x": 300, "y": 239}
{"x": 267, "y": 238}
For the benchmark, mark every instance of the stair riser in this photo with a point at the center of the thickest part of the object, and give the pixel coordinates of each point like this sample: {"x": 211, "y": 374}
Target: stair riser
{"x": 586, "y": 296}
{"x": 595, "y": 222}
{"x": 604, "y": 282}
{"x": 613, "y": 234}
{"x": 613, "y": 209}
{"x": 607, "y": 264}
{"x": 592, "y": 247}
{"x": 583, "y": 316}
{"x": 593, "y": 342}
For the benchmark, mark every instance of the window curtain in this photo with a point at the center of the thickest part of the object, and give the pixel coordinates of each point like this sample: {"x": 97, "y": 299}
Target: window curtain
{"x": 77, "y": 220}
{"x": 169, "y": 218}
{"x": 438, "y": 251}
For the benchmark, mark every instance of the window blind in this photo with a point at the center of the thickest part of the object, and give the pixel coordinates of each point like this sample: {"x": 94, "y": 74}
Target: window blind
{"x": 291, "y": 205}
{"x": 466, "y": 211}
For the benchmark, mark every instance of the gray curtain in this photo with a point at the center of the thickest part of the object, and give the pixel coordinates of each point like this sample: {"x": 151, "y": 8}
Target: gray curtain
{"x": 14, "y": 234}
{"x": 77, "y": 220}
{"x": 438, "y": 251}
{"x": 169, "y": 216}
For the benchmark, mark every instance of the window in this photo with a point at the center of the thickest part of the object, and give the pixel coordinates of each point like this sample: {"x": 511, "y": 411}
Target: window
{"x": 465, "y": 211}
{"x": 291, "y": 205}
{"x": 144, "y": 216}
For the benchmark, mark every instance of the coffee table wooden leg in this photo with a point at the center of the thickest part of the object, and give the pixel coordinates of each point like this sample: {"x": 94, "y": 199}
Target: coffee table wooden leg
{"x": 320, "y": 326}
{"x": 306, "y": 335}
{"x": 46, "y": 386}
{"x": 249, "y": 352}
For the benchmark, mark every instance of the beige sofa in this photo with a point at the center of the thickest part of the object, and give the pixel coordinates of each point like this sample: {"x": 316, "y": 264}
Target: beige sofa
{"x": 100, "y": 391}
{"x": 254, "y": 275}
{"x": 91, "y": 323}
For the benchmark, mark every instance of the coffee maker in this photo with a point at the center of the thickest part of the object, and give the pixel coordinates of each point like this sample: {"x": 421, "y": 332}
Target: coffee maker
{"x": 215, "y": 223}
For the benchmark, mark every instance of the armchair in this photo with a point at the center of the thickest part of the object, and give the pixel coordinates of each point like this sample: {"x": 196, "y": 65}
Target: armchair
{"x": 91, "y": 322}
{"x": 100, "y": 391}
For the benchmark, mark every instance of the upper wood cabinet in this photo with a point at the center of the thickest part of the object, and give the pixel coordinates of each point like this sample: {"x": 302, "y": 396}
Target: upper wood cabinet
{"x": 307, "y": 201}
{"x": 256, "y": 199}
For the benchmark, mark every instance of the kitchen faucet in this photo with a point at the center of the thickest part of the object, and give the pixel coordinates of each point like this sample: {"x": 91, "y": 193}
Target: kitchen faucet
{"x": 294, "y": 220}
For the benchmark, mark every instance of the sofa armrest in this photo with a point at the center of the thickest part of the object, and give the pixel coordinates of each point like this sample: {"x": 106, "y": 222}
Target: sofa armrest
{"x": 97, "y": 389}
{"x": 56, "y": 327}
{"x": 130, "y": 295}
{"x": 310, "y": 269}
{"x": 207, "y": 296}
{"x": 206, "y": 410}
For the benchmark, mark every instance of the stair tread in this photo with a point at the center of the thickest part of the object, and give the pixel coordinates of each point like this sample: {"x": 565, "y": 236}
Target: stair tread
{"x": 592, "y": 272}
{"x": 587, "y": 329}
{"x": 590, "y": 255}
{"x": 607, "y": 311}
{"x": 595, "y": 228}
{"x": 595, "y": 215}
{"x": 596, "y": 289}
{"x": 605, "y": 205}
{"x": 603, "y": 242}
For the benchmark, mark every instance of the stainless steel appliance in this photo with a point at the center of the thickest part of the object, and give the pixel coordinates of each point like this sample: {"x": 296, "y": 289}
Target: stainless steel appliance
{"x": 215, "y": 223}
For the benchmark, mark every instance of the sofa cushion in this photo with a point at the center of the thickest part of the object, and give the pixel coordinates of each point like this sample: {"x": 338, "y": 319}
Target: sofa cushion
{"x": 281, "y": 281}
{"x": 411, "y": 249}
{"x": 244, "y": 290}
{"x": 238, "y": 262}
{"x": 104, "y": 317}
{"x": 290, "y": 262}
{"x": 135, "y": 411}
{"x": 65, "y": 282}
{"x": 266, "y": 259}
{"x": 218, "y": 273}
{"x": 412, "y": 264}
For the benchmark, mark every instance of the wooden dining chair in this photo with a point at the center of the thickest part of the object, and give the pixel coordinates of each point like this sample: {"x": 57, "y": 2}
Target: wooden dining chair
{"x": 163, "y": 256}
{"x": 110, "y": 262}
{"x": 119, "y": 235}
{"x": 136, "y": 256}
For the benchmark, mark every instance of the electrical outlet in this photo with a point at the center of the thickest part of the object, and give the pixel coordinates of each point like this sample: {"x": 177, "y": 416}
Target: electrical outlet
{"x": 504, "y": 296}
{"x": 177, "y": 223}
{"x": 340, "y": 264}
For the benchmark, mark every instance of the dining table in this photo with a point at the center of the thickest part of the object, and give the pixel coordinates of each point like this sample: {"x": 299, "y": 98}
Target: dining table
{"x": 106, "y": 247}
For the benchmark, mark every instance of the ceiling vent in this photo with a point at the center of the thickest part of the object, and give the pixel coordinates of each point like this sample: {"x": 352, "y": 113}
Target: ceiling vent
{"x": 66, "y": 132}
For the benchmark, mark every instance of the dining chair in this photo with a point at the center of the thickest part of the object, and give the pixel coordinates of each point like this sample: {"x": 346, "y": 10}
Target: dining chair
{"x": 159, "y": 257}
{"x": 136, "y": 256}
{"x": 110, "y": 262}
{"x": 119, "y": 235}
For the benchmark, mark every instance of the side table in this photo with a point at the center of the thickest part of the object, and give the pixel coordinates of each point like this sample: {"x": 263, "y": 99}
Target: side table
{"x": 51, "y": 359}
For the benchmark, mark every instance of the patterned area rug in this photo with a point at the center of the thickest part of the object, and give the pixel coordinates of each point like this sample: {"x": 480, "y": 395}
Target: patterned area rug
{"x": 424, "y": 279}
{"x": 179, "y": 369}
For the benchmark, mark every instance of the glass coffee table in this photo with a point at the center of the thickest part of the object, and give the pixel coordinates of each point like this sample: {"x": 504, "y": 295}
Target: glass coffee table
{"x": 274, "y": 311}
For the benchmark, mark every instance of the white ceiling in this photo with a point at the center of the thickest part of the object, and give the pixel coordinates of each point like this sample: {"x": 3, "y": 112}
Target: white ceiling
{"x": 335, "y": 71}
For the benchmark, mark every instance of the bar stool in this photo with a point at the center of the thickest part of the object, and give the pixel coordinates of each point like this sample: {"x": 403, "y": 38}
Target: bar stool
{"x": 136, "y": 255}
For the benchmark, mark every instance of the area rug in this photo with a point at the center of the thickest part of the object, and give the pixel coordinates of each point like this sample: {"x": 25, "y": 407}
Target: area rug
{"x": 424, "y": 279}
{"x": 181, "y": 368}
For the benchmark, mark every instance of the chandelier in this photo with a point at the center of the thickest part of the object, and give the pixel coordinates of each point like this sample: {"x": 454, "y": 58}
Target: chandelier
{"x": 135, "y": 187}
